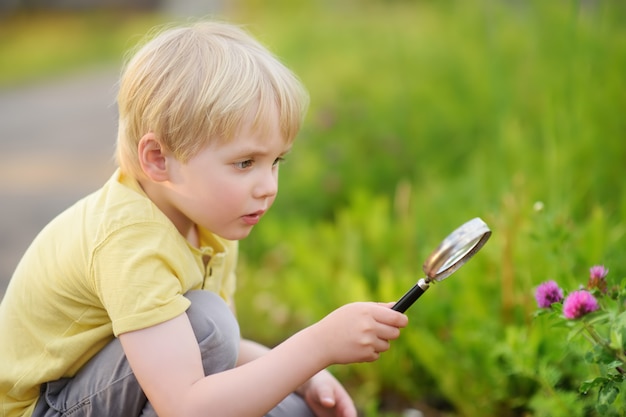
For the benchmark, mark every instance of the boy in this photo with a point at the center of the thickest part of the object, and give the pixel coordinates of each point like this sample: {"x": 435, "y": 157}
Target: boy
{"x": 122, "y": 304}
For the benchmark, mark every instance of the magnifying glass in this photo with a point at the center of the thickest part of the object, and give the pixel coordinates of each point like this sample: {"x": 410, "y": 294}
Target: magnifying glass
{"x": 450, "y": 255}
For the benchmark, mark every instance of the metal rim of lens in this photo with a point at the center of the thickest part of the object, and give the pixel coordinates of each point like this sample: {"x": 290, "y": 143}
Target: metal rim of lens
{"x": 438, "y": 265}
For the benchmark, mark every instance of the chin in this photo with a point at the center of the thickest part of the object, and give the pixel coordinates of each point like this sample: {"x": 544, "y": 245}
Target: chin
{"x": 236, "y": 235}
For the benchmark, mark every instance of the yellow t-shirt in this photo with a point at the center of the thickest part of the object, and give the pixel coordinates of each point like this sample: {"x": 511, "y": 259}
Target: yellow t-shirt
{"x": 110, "y": 264}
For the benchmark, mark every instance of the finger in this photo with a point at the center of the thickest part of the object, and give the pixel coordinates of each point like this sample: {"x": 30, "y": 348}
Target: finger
{"x": 326, "y": 396}
{"x": 345, "y": 407}
{"x": 381, "y": 345}
{"x": 390, "y": 317}
{"x": 387, "y": 305}
{"x": 388, "y": 332}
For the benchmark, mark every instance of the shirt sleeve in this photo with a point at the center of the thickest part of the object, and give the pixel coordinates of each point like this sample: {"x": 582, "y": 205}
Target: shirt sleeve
{"x": 136, "y": 277}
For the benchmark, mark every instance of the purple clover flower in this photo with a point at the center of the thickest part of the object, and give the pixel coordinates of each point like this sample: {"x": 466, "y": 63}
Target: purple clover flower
{"x": 548, "y": 293}
{"x": 597, "y": 278}
{"x": 578, "y": 304}
{"x": 598, "y": 271}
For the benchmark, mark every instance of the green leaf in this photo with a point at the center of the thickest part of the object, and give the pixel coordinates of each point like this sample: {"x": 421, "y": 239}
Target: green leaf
{"x": 617, "y": 335}
{"x": 576, "y": 330}
{"x": 588, "y": 385}
{"x": 557, "y": 308}
{"x": 598, "y": 318}
{"x": 607, "y": 395}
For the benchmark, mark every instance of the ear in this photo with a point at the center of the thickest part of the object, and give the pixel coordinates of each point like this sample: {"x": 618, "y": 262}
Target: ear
{"x": 152, "y": 158}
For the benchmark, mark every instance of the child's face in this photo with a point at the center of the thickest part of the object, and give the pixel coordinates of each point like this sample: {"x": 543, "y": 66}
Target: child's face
{"x": 227, "y": 187}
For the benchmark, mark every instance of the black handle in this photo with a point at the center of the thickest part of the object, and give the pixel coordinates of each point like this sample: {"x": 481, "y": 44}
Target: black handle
{"x": 409, "y": 298}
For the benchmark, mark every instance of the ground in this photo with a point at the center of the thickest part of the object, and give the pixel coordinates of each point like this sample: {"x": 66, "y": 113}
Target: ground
{"x": 57, "y": 139}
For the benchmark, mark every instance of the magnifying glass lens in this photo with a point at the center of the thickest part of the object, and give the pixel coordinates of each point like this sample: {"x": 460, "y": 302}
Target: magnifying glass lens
{"x": 450, "y": 255}
{"x": 458, "y": 254}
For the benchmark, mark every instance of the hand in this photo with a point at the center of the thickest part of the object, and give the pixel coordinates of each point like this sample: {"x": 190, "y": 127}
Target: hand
{"x": 327, "y": 397}
{"x": 358, "y": 332}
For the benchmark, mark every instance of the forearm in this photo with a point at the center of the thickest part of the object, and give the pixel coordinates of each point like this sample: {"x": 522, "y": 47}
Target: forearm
{"x": 250, "y": 350}
{"x": 254, "y": 388}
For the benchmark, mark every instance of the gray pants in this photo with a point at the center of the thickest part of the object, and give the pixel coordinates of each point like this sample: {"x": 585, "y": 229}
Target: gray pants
{"x": 106, "y": 386}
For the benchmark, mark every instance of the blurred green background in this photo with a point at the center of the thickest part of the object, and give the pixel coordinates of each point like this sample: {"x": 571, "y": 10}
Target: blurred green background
{"x": 424, "y": 114}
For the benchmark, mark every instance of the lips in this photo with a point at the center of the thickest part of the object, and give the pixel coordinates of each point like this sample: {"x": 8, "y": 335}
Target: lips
{"x": 253, "y": 218}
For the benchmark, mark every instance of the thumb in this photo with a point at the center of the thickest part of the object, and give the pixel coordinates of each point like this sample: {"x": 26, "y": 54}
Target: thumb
{"x": 388, "y": 304}
{"x": 325, "y": 396}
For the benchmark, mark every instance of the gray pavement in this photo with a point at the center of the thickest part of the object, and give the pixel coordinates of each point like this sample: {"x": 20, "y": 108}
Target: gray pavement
{"x": 57, "y": 141}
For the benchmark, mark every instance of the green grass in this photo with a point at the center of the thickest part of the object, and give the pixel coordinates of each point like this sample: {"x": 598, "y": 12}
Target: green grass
{"x": 424, "y": 115}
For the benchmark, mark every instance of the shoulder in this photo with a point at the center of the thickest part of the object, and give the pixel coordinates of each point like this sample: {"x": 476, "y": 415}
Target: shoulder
{"x": 119, "y": 207}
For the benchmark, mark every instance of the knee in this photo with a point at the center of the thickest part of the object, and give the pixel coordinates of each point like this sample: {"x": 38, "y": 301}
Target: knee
{"x": 216, "y": 330}
{"x": 292, "y": 406}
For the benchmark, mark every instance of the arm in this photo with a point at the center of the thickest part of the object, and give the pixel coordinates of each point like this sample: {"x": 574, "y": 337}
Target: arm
{"x": 322, "y": 392}
{"x": 166, "y": 361}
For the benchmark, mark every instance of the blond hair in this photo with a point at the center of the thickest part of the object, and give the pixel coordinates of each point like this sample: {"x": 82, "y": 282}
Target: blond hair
{"x": 195, "y": 84}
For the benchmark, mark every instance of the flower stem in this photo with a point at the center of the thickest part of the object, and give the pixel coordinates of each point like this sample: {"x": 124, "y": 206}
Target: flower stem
{"x": 602, "y": 342}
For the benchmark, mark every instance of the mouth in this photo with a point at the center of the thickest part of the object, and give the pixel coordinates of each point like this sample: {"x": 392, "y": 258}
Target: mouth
{"x": 253, "y": 218}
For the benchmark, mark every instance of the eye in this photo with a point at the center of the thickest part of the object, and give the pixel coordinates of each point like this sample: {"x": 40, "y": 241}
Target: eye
{"x": 243, "y": 164}
{"x": 278, "y": 161}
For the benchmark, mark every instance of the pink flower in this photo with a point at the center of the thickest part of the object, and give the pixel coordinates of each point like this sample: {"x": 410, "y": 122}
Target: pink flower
{"x": 578, "y": 304}
{"x": 597, "y": 278}
{"x": 598, "y": 271}
{"x": 548, "y": 293}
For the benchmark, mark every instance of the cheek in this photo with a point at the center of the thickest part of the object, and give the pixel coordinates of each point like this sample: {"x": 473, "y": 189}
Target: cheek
{"x": 229, "y": 192}
{"x": 206, "y": 183}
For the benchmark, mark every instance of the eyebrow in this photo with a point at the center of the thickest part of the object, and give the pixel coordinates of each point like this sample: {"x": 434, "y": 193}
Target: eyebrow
{"x": 260, "y": 150}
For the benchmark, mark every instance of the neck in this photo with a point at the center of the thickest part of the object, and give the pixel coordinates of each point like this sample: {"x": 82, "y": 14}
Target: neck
{"x": 158, "y": 195}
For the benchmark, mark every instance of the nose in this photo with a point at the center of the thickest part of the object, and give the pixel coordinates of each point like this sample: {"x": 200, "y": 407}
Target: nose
{"x": 267, "y": 184}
